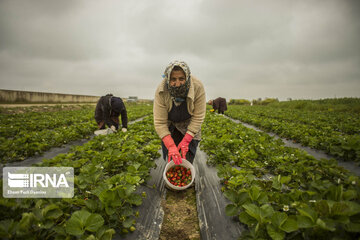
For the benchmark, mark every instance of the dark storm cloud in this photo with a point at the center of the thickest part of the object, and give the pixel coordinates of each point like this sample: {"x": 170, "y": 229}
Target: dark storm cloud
{"x": 241, "y": 49}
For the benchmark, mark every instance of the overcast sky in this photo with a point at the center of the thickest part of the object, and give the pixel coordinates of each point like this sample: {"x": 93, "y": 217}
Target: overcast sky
{"x": 304, "y": 49}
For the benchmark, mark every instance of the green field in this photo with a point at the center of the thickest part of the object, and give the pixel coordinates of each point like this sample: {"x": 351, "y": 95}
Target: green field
{"x": 332, "y": 125}
{"x": 275, "y": 192}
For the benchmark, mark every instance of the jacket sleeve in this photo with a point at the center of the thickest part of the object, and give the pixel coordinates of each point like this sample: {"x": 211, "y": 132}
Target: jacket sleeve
{"x": 99, "y": 114}
{"x": 199, "y": 111}
{"x": 160, "y": 114}
{"x": 216, "y": 104}
{"x": 124, "y": 118}
{"x": 225, "y": 105}
{"x": 107, "y": 111}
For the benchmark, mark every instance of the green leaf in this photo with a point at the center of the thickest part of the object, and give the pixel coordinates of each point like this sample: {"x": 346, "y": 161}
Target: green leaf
{"x": 354, "y": 208}
{"x": 132, "y": 179}
{"x": 275, "y": 234}
{"x": 108, "y": 234}
{"x": 242, "y": 198}
{"x": 336, "y": 193}
{"x": 94, "y": 222}
{"x": 231, "y": 210}
{"x": 304, "y": 222}
{"x": 276, "y": 183}
{"x": 257, "y": 227}
{"x": 247, "y": 219}
{"x": 266, "y": 211}
{"x": 323, "y": 225}
{"x": 48, "y": 224}
{"x": 231, "y": 195}
{"x": 8, "y": 227}
{"x": 26, "y": 221}
{"x": 308, "y": 212}
{"x": 91, "y": 204}
{"x": 263, "y": 198}
{"x": 253, "y": 211}
{"x": 278, "y": 218}
{"x": 60, "y": 230}
{"x": 341, "y": 219}
{"x": 135, "y": 199}
{"x": 127, "y": 211}
{"x": 290, "y": 225}
{"x": 76, "y": 224}
{"x": 340, "y": 208}
{"x": 323, "y": 208}
{"x": 128, "y": 222}
{"x": 129, "y": 189}
{"x": 107, "y": 196}
{"x": 254, "y": 192}
{"x": 101, "y": 231}
{"x": 121, "y": 193}
{"x": 109, "y": 210}
{"x": 52, "y": 211}
{"x": 350, "y": 195}
{"x": 352, "y": 227}
{"x": 91, "y": 237}
{"x": 285, "y": 179}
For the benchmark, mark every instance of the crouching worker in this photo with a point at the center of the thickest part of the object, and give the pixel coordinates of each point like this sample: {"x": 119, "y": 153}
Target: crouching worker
{"x": 179, "y": 110}
{"x": 107, "y": 112}
{"x": 218, "y": 104}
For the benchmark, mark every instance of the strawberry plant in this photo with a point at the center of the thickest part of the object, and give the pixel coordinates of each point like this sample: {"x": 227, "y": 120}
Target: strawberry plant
{"x": 336, "y": 133}
{"x": 29, "y": 134}
{"x": 279, "y": 192}
{"x": 108, "y": 169}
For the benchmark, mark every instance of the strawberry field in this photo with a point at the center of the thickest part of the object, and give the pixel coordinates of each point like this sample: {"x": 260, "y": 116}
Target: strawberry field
{"x": 280, "y": 192}
{"x": 272, "y": 191}
{"x": 31, "y": 133}
{"x": 336, "y": 132}
{"x": 108, "y": 170}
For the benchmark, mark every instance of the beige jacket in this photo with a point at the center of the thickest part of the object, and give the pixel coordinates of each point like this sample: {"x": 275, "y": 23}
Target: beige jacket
{"x": 196, "y": 105}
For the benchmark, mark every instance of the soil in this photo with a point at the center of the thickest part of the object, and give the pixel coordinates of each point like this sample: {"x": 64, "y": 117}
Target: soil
{"x": 25, "y": 108}
{"x": 180, "y": 216}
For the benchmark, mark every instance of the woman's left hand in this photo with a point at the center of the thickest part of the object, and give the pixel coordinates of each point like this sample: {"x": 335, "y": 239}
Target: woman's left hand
{"x": 184, "y": 144}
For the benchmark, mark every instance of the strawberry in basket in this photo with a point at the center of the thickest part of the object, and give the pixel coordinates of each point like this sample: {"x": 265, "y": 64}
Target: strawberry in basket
{"x": 179, "y": 176}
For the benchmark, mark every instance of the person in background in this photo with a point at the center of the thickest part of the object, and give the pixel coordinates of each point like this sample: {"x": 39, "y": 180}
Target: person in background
{"x": 218, "y": 104}
{"x": 179, "y": 111}
{"x": 107, "y": 112}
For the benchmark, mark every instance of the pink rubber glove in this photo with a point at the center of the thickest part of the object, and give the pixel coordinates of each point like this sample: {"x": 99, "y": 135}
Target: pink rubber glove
{"x": 184, "y": 144}
{"x": 173, "y": 152}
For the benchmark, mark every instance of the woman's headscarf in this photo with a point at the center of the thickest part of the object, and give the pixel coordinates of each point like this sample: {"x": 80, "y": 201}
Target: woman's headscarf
{"x": 178, "y": 93}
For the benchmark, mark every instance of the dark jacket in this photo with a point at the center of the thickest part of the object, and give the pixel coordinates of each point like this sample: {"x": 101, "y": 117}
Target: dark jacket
{"x": 220, "y": 104}
{"x": 108, "y": 109}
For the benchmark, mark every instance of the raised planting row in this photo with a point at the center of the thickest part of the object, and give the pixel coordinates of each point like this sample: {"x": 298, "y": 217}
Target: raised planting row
{"x": 344, "y": 122}
{"x": 25, "y": 135}
{"x": 336, "y": 133}
{"x": 14, "y": 124}
{"x": 279, "y": 192}
{"x": 107, "y": 171}
{"x": 26, "y": 108}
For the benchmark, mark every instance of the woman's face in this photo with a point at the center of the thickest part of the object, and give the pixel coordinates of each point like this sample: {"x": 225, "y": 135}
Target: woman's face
{"x": 177, "y": 78}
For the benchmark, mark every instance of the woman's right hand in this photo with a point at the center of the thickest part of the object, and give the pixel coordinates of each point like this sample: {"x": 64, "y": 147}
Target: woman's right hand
{"x": 101, "y": 124}
{"x": 173, "y": 152}
{"x": 174, "y": 155}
